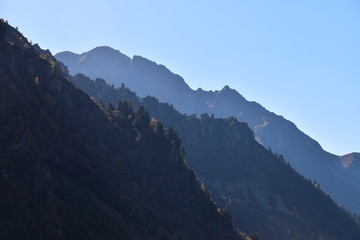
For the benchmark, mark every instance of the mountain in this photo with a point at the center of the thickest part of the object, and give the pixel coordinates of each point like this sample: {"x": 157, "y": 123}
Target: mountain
{"x": 351, "y": 162}
{"x": 282, "y": 136}
{"x": 262, "y": 192}
{"x": 138, "y": 73}
{"x": 73, "y": 170}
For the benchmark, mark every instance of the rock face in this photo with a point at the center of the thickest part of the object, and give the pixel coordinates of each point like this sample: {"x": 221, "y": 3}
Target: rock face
{"x": 273, "y": 131}
{"x": 263, "y": 193}
{"x": 351, "y": 162}
{"x": 73, "y": 170}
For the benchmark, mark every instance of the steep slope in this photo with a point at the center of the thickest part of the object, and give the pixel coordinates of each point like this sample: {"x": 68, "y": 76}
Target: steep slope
{"x": 273, "y": 131}
{"x": 263, "y": 193}
{"x": 304, "y": 153}
{"x": 138, "y": 73}
{"x": 70, "y": 170}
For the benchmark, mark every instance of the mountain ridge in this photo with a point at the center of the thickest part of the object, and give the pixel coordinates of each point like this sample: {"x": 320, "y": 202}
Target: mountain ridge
{"x": 71, "y": 169}
{"x": 282, "y": 136}
{"x": 263, "y": 193}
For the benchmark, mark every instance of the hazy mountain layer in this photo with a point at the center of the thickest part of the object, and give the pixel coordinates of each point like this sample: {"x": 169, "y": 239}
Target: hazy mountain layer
{"x": 71, "y": 170}
{"x": 273, "y": 131}
{"x": 264, "y": 193}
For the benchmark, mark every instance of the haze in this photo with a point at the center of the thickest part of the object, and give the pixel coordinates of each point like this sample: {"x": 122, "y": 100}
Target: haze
{"x": 298, "y": 59}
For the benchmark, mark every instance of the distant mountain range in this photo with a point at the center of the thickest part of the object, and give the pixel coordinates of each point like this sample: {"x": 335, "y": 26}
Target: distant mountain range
{"x": 263, "y": 193}
{"x": 337, "y": 175}
{"x": 81, "y": 159}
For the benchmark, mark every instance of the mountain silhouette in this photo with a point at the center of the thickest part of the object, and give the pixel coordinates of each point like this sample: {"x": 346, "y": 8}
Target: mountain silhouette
{"x": 262, "y": 192}
{"x": 71, "y": 169}
{"x": 282, "y": 136}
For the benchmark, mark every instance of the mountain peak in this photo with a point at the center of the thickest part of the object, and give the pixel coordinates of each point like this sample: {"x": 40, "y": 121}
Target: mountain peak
{"x": 230, "y": 92}
{"x": 226, "y": 87}
{"x": 107, "y": 52}
{"x": 104, "y": 49}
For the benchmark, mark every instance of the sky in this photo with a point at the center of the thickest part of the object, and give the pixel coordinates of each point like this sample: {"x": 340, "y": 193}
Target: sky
{"x": 299, "y": 59}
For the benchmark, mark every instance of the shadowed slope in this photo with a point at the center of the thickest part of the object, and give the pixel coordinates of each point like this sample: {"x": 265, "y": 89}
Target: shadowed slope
{"x": 262, "y": 191}
{"x": 273, "y": 131}
{"x": 70, "y": 170}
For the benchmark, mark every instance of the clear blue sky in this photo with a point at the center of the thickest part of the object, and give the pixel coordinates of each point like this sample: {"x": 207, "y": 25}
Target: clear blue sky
{"x": 299, "y": 59}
